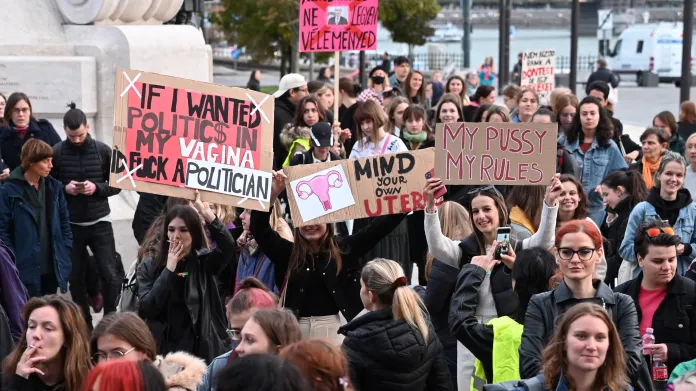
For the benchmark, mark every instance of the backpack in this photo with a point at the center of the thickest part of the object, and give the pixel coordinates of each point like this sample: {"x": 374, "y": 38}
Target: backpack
{"x": 129, "y": 298}
{"x": 533, "y": 384}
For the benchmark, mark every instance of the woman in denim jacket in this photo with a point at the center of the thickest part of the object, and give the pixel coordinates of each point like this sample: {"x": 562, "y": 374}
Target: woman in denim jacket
{"x": 668, "y": 200}
{"x": 589, "y": 141}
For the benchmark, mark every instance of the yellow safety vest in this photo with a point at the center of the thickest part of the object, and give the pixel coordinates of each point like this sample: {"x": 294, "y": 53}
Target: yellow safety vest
{"x": 300, "y": 141}
{"x": 507, "y": 337}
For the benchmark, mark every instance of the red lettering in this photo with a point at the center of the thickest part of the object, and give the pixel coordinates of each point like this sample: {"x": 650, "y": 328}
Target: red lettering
{"x": 391, "y": 199}
{"x": 536, "y": 168}
{"x": 418, "y": 200}
{"x": 486, "y": 164}
{"x": 517, "y": 140}
{"x": 405, "y": 207}
{"x": 489, "y": 137}
{"x": 471, "y": 134}
{"x": 529, "y": 143}
{"x": 541, "y": 140}
{"x": 457, "y": 164}
{"x": 470, "y": 160}
{"x": 523, "y": 168}
{"x": 378, "y": 204}
{"x": 452, "y": 136}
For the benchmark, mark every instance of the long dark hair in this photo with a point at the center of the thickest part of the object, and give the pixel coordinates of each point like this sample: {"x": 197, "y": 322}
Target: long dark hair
{"x": 583, "y": 204}
{"x": 535, "y": 271}
{"x": 449, "y": 98}
{"x": 252, "y": 78}
{"x": 497, "y": 198}
{"x": 419, "y": 97}
{"x": 482, "y": 92}
{"x": 605, "y": 128}
{"x": 631, "y": 180}
{"x": 478, "y": 116}
{"x": 299, "y": 113}
{"x": 465, "y": 87}
{"x": 301, "y": 251}
{"x": 194, "y": 226}
{"x": 529, "y": 198}
{"x": 152, "y": 237}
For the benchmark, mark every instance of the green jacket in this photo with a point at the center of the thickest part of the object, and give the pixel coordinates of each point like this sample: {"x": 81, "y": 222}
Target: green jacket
{"x": 507, "y": 337}
{"x": 300, "y": 145}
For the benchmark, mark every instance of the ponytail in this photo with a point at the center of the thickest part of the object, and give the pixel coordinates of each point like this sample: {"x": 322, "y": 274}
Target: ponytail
{"x": 631, "y": 181}
{"x": 385, "y": 278}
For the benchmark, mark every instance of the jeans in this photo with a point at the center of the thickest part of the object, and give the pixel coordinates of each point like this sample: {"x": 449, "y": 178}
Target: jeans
{"x": 100, "y": 239}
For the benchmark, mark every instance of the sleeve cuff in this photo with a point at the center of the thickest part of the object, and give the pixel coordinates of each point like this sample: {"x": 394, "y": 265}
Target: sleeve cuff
{"x": 687, "y": 249}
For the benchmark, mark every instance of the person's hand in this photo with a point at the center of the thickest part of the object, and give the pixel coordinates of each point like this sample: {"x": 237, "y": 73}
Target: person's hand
{"x": 629, "y": 158}
{"x": 553, "y": 191}
{"x": 680, "y": 249}
{"x": 488, "y": 261}
{"x": 659, "y": 351}
{"x": 509, "y": 259}
{"x": 71, "y": 188}
{"x": 4, "y": 174}
{"x": 203, "y": 209}
{"x": 432, "y": 186}
{"x": 89, "y": 188}
{"x": 175, "y": 254}
{"x": 278, "y": 185}
{"x": 27, "y": 363}
{"x": 345, "y": 135}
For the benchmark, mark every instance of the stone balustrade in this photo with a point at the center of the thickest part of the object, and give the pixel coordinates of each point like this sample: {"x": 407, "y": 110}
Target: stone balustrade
{"x": 82, "y": 12}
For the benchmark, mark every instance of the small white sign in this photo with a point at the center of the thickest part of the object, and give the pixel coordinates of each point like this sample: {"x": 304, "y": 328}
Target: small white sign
{"x": 322, "y": 193}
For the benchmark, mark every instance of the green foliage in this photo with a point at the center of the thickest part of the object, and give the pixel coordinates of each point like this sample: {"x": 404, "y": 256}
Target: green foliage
{"x": 408, "y": 21}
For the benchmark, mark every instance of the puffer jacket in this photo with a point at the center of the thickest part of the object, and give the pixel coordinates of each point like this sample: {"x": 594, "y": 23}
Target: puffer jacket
{"x": 89, "y": 161}
{"x": 386, "y": 354}
{"x": 545, "y": 310}
{"x": 290, "y": 133}
{"x": 181, "y": 371}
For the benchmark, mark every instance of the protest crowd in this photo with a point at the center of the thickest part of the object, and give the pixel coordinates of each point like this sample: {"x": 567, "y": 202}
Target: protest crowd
{"x": 592, "y": 286}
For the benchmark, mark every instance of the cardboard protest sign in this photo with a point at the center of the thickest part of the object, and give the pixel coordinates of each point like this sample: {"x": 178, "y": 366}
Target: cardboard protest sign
{"x": 356, "y": 188}
{"x": 539, "y": 72}
{"x": 172, "y": 136}
{"x": 495, "y": 153}
{"x": 338, "y": 25}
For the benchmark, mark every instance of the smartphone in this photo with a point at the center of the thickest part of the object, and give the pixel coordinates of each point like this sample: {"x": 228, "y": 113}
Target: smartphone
{"x": 503, "y": 239}
{"x": 440, "y": 193}
{"x": 80, "y": 184}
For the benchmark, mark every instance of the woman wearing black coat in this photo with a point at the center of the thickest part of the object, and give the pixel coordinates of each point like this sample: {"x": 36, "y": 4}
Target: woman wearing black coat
{"x": 319, "y": 272}
{"x": 254, "y": 82}
{"x": 394, "y": 346}
{"x": 179, "y": 298}
{"x": 621, "y": 191}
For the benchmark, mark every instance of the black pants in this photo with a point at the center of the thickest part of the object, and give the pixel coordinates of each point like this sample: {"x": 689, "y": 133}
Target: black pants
{"x": 49, "y": 286}
{"x": 100, "y": 239}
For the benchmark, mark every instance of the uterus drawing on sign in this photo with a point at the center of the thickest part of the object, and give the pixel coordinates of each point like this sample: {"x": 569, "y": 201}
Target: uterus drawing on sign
{"x": 323, "y": 192}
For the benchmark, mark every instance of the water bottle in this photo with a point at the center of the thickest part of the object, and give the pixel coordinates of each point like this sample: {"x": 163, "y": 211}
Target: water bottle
{"x": 648, "y": 339}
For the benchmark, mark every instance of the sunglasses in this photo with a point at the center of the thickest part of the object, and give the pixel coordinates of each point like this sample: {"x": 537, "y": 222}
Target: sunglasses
{"x": 655, "y": 232}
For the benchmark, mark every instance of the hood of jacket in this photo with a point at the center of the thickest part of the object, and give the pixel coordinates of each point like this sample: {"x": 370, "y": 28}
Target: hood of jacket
{"x": 683, "y": 199}
{"x": 394, "y": 343}
{"x": 181, "y": 371}
{"x": 290, "y": 133}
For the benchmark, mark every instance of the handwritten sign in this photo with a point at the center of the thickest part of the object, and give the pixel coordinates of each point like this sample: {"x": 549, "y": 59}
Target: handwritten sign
{"x": 338, "y": 25}
{"x": 495, "y": 153}
{"x": 539, "y": 72}
{"x": 172, "y": 136}
{"x": 380, "y": 185}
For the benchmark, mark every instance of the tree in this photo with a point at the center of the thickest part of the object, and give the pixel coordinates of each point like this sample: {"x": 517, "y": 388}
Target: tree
{"x": 408, "y": 21}
{"x": 261, "y": 27}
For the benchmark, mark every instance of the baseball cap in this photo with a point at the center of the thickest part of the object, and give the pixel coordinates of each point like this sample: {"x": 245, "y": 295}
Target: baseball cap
{"x": 289, "y": 81}
{"x": 322, "y": 135}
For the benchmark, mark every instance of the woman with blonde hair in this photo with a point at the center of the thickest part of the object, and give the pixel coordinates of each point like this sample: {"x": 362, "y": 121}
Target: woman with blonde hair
{"x": 397, "y": 320}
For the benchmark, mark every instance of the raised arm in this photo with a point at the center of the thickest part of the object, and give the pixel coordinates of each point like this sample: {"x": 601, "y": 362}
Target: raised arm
{"x": 441, "y": 247}
{"x": 546, "y": 234}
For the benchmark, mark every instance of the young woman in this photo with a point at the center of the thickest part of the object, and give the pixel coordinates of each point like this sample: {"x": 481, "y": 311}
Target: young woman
{"x": 394, "y": 343}
{"x": 414, "y": 89}
{"x": 483, "y": 95}
{"x": 296, "y": 135}
{"x": 557, "y": 93}
{"x": 522, "y": 201}
{"x": 324, "y": 74}
{"x": 3, "y": 103}
{"x": 321, "y": 362}
{"x": 442, "y": 278}
{"x": 565, "y": 108}
{"x": 348, "y": 95}
{"x": 487, "y": 72}
{"x": 395, "y": 115}
{"x": 482, "y": 112}
{"x": 456, "y": 85}
{"x": 250, "y": 296}
{"x": 621, "y": 191}
{"x": 496, "y": 113}
{"x": 417, "y": 134}
{"x": 181, "y": 321}
{"x": 534, "y": 271}
{"x": 668, "y": 200}
{"x": 254, "y": 82}
{"x": 267, "y": 331}
{"x": 589, "y": 141}
{"x": 527, "y": 105}
{"x": 586, "y": 353}
{"x": 578, "y": 252}
{"x": 53, "y": 353}
{"x": 377, "y": 84}
{"x": 487, "y": 213}
{"x": 324, "y": 94}
{"x": 573, "y": 201}
{"x": 654, "y": 141}
{"x": 318, "y": 271}
{"x": 690, "y": 177}
{"x": 510, "y": 93}
{"x": 687, "y": 120}
{"x": 124, "y": 336}
{"x": 449, "y": 110}
{"x": 665, "y": 120}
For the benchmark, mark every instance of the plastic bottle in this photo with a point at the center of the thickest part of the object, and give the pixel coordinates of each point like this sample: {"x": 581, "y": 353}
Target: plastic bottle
{"x": 648, "y": 339}
{"x": 660, "y": 374}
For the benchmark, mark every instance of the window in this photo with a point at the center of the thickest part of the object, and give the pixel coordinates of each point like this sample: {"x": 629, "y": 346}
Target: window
{"x": 617, "y": 48}
{"x": 639, "y": 49}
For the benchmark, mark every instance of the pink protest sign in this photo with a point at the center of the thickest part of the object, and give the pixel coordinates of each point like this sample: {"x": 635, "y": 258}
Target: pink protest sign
{"x": 338, "y": 25}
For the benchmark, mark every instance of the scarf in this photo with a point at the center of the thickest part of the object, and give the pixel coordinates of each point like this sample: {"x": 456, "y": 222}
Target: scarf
{"x": 21, "y": 132}
{"x": 415, "y": 139}
{"x": 247, "y": 242}
{"x": 649, "y": 169}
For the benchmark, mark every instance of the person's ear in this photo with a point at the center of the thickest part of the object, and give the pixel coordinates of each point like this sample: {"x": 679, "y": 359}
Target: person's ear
{"x": 640, "y": 261}
{"x": 620, "y": 190}
{"x": 372, "y": 297}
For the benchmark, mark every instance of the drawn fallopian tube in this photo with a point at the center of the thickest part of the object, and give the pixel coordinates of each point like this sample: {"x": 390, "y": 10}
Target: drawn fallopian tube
{"x": 319, "y": 186}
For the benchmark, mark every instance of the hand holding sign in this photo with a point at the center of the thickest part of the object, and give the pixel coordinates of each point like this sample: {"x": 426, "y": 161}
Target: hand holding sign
{"x": 278, "y": 185}
{"x": 553, "y": 191}
{"x": 203, "y": 209}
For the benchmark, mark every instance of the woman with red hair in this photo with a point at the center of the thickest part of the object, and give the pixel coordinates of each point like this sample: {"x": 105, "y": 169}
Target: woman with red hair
{"x": 578, "y": 252}
{"x": 321, "y": 362}
{"x": 124, "y": 375}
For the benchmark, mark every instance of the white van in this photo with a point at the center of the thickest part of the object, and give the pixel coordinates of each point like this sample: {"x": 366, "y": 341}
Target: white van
{"x": 655, "y": 47}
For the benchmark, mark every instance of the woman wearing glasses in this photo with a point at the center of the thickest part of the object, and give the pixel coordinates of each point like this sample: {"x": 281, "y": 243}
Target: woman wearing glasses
{"x": 124, "y": 336}
{"x": 21, "y": 126}
{"x": 578, "y": 252}
{"x": 52, "y": 353}
{"x": 669, "y": 201}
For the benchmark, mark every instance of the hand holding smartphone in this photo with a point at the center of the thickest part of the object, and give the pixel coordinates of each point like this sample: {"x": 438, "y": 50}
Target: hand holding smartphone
{"x": 440, "y": 193}
{"x": 503, "y": 239}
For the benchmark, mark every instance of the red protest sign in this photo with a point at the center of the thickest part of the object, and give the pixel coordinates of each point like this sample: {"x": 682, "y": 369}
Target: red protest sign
{"x": 338, "y": 25}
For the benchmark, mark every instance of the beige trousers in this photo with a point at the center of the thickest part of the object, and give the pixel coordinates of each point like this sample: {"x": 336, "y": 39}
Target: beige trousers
{"x": 323, "y": 327}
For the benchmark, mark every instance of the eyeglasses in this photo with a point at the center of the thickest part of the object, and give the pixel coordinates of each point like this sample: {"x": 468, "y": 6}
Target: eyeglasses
{"x": 566, "y": 254}
{"x": 23, "y": 110}
{"x": 655, "y": 232}
{"x": 113, "y": 355}
{"x": 235, "y": 334}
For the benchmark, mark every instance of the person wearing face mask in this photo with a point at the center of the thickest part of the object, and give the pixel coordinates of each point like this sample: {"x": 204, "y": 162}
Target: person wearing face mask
{"x": 82, "y": 164}
{"x": 317, "y": 272}
{"x": 527, "y": 105}
{"x": 589, "y": 141}
{"x": 578, "y": 252}
{"x": 179, "y": 298}
{"x": 251, "y": 295}
{"x": 53, "y": 353}
{"x": 621, "y": 191}
{"x": 669, "y": 201}
{"x": 377, "y": 84}
{"x": 664, "y": 300}
{"x": 654, "y": 142}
